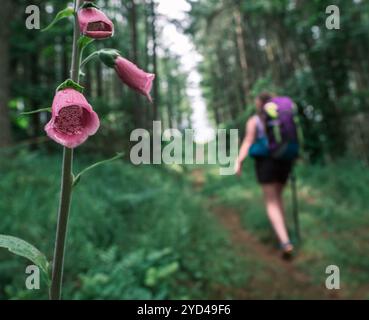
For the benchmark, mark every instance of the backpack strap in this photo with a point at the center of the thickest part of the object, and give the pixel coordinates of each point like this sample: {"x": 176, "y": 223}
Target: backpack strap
{"x": 261, "y": 133}
{"x": 271, "y": 110}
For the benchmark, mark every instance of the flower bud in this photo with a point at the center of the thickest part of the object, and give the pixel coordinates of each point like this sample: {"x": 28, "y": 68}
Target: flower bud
{"x": 128, "y": 72}
{"x": 134, "y": 77}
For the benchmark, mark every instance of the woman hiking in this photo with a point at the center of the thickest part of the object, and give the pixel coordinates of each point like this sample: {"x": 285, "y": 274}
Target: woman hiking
{"x": 272, "y": 174}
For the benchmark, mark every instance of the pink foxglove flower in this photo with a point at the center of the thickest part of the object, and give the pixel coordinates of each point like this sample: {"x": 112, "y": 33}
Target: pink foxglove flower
{"x": 134, "y": 77}
{"x": 128, "y": 72}
{"x": 93, "y": 23}
{"x": 73, "y": 119}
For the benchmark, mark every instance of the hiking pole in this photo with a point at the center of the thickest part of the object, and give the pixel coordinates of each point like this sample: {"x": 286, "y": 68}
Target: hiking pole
{"x": 295, "y": 207}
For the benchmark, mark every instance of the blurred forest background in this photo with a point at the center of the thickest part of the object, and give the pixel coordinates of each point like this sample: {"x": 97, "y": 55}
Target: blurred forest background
{"x": 157, "y": 232}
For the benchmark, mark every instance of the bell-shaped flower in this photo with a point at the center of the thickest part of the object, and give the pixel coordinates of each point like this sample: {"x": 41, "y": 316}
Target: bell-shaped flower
{"x": 128, "y": 72}
{"x": 134, "y": 77}
{"x": 73, "y": 119}
{"x": 93, "y": 23}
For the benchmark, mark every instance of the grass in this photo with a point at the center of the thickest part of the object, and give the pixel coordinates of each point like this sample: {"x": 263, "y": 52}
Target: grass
{"x": 145, "y": 233}
{"x": 134, "y": 233}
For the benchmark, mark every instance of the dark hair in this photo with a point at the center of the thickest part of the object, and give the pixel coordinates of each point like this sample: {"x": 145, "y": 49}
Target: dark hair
{"x": 265, "y": 97}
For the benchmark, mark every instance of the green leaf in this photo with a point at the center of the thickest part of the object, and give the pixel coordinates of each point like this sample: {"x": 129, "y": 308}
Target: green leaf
{"x": 70, "y": 84}
{"x": 155, "y": 274}
{"x": 26, "y": 250}
{"x": 77, "y": 179}
{"x": 84, "y": 41}
{"x": 36, "y": 111}
{"x": 63, "y": 14}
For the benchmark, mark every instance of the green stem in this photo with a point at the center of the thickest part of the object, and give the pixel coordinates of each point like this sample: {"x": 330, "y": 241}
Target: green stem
{"x": 76, "y": 51}
{"x": 67, "y": 182}
{"x": 78, "y": 176}
{"x": 89, "y": 58}
{"x": 35, "y": 111}
{"x": 65, "y": 199}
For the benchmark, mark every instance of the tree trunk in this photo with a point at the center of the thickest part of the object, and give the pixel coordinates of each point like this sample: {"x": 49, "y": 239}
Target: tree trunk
{"x": 5, "y": 128}
{"x": 240, "y": 37}
{"x": 156, "y": 114}
{"x": 64, "y": 59}
{"x": 148, "y": 114}
{"x": 136, "y": 111}
{"x": 99, "y": 80}
{"x": 34, "y": 100}
{"x": 169, "y": 93}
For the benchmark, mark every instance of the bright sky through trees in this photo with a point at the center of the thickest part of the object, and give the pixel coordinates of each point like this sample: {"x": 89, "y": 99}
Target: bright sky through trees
{"x": 181, "y": 45}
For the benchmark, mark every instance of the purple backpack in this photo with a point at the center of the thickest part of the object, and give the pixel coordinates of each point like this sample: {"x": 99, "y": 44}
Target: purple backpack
{"x": 281, "y": 128}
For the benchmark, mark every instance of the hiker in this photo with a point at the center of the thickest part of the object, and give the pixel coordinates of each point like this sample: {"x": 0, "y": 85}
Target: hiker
{"x": 274, "y": 157}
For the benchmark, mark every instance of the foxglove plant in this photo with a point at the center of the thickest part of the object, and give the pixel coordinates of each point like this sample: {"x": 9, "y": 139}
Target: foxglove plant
{"x": 73, "y": 120}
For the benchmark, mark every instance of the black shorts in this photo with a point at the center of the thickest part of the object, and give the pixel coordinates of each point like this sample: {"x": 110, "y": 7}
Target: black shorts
{"x": 272, "y": 171}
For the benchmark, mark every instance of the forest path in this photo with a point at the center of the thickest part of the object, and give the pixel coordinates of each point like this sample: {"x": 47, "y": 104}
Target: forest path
{"x": 274, "y": 278}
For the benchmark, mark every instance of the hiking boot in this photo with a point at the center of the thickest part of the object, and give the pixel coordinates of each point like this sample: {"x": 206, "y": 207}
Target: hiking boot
{"x": 287, "y": 251}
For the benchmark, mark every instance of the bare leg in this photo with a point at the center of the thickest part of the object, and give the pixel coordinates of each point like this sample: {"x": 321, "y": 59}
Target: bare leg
{"x": 274, "y": 206}
{"x": 280, "y": 189}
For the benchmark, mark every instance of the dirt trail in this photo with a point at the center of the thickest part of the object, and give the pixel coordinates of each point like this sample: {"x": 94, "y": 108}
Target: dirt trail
{"x": 275, "y": 278}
